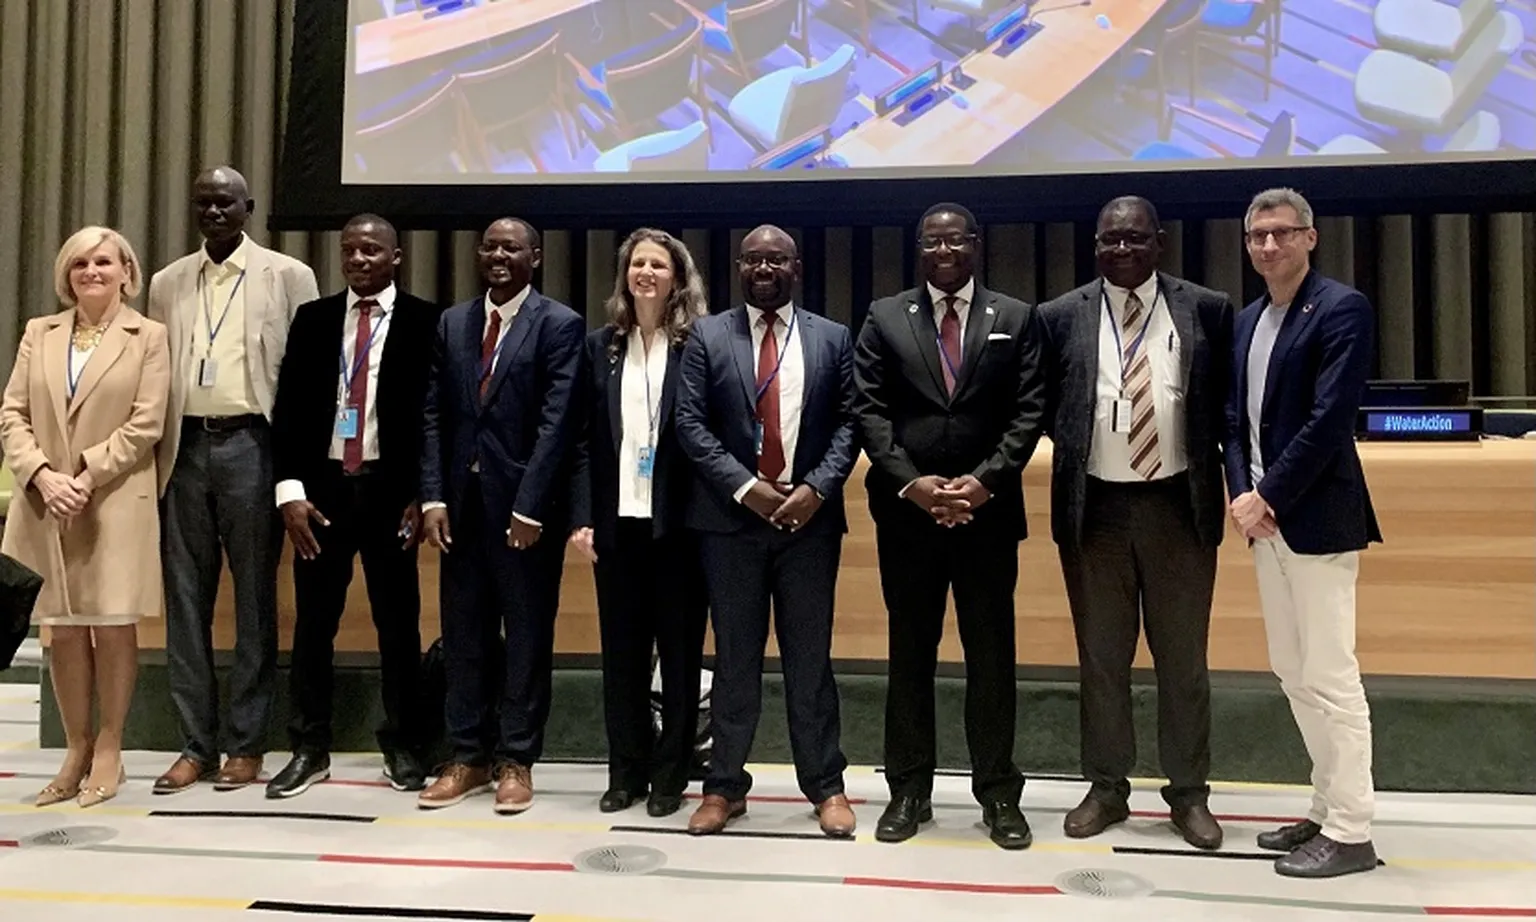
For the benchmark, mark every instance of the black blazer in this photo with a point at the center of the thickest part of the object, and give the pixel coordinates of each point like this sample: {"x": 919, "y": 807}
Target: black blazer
{"x": 1313, "y": 387}
{"x": 595, "y": 486}
{"x": 911, "y": 425}
{"x": 1202, "y": 319}
{"x": 523, "y": 435}
{"x": 305, "y": 406}
{"x": 717, "y": 413}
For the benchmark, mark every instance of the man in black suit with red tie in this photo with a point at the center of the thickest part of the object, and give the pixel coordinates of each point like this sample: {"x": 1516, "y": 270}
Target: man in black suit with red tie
{"x": 346, "y": 452}
{"x": 950, "y": 400}
{"x": 497, "y": 457}
{"x": 765, "y": 412}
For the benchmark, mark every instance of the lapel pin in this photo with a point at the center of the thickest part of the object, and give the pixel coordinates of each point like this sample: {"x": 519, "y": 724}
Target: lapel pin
{"x": 990, "y": 311}
{"x": 1306, "y": 309}
{"x": 911, "y": 308}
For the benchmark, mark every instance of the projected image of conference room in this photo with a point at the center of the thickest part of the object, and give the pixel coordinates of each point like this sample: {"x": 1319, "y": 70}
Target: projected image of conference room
{"x": 573, "y": 89}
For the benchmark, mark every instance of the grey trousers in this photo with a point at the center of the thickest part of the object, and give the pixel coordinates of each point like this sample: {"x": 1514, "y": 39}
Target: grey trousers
{"x": 219, "y": 504}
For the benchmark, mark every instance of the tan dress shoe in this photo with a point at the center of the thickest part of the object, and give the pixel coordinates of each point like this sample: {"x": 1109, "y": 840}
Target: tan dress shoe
{"x": 836, "y": 815}
{"x": 183, "y": 774}
{"x": 713, "y": 815}
{"x": 514, "y": 788}
{"x": 238, "y": 772}
{"x": 456, "y": 782}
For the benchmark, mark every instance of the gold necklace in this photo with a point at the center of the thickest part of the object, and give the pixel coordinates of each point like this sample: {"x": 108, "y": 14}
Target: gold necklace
{"x": 88, "y": 337}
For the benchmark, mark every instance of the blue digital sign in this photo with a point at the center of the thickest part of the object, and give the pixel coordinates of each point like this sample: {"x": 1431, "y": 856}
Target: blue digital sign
{"x": 1422, "y": 423}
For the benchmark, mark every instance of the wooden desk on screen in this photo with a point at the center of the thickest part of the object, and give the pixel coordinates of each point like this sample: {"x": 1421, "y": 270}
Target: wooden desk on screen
{"x": 1010, "y": 92}
{"x": 412, "y": 37}
{"x": 1450, "y": 593}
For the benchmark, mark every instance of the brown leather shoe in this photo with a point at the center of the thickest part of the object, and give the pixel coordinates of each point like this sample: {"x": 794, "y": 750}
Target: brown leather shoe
{"x": 836, "y": 815}
{"x": 713, "y": 815}
{"x": 238, "y": 772}
{"x": 514, "y": 788}
{"x": 183, "y": 774}
{"x": 1093, "y": 816}
{"x": 456, "y": 782}
{"x": 1198, "y": 827}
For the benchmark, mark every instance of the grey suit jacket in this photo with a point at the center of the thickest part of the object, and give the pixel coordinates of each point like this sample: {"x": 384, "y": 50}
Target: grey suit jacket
{"x": 276, "y": 284}
{"x": 1203, "y": 321}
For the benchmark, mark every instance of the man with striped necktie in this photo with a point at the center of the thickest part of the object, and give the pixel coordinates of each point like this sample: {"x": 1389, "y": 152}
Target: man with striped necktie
{"x": 1137, "y": 393}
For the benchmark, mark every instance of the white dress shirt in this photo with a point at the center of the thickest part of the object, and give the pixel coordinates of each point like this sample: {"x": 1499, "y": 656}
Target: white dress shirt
{"x": 640, "y": 386}
{"x": 791, "y": 382}
{"x": 379, "y": 316}
{"x": 1265, "y": 333}
{"x": 1109, "y": 456}
{"x": 76, "y": 368}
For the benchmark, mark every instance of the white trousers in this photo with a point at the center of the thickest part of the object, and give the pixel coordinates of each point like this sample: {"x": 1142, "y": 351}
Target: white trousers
{"x": 1309, "y": 619}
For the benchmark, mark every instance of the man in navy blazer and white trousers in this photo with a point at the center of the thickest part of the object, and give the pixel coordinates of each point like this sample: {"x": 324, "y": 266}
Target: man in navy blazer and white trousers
{"x": 765, "y": 412}
{"x": 498, "y": 453}
{"x": 1301, "y": 356}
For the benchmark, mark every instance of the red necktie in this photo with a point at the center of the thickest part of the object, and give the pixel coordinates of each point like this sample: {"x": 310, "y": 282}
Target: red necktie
{"x": 487, "y": 350}
{"x": 357, "y": 394}
{"x": 949, "y": 334}
{"x": 770, "y": 462}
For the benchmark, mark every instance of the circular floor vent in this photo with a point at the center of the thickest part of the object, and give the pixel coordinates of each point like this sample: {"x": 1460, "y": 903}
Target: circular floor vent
{"x": 621, "y": 859}
{"x": 1104, "y": 884}
{"x": 69, "y": 837}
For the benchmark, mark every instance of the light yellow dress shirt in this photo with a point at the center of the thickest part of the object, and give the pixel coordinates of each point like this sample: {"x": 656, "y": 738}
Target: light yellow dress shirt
{"x": 221, "y": 285}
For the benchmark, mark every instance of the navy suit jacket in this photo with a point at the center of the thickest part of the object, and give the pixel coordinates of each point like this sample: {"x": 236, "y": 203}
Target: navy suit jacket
{"x": 717, "y": 414}
{"x": 595, "y": 489}
{"x": 524, "y": 433}
{"x": 1313, "y": 387}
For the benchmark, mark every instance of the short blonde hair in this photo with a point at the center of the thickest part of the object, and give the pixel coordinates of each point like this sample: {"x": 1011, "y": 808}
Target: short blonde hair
{"x": 84, "y": 241}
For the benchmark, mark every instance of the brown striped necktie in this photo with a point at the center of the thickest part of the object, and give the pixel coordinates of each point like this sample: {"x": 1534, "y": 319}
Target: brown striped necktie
{"x": 1136, "y": 383}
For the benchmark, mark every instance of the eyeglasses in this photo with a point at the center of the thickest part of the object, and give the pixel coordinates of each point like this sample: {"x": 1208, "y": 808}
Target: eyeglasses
{"x": 1133, "y": 239}
{"x": 1283, "y": 235}
{"x": 953, "y": 241}
{"x": 771, "y": 260}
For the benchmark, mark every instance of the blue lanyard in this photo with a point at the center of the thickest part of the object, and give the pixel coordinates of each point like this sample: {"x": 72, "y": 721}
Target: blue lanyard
{"x": 944, "y": 357}
{"x": 652, "y": 411}
{"x": 788, "y": 334}
{"x": 362, "y": 357}
{"x": 72, "y": 379}
{"x": 1114, "y": 327}
{"x": 202, "y": 290}
{"x": 501, "y": 340}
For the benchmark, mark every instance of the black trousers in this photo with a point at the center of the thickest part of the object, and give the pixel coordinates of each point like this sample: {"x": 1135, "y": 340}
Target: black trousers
{"x": 797, "y": 573}
{"x": 1141, "y": 561}
{"x": 919, "y": 564}
{"x": 364, "y": 521}
{"x": 495, "y": 594}
{"x": 650, "y": 595}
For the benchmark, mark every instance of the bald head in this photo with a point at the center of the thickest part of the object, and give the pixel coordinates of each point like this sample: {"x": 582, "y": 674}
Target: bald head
{"x": 223, "y": 204}
{"x": 1133, "y": 205}
{"x": 769, "y": 264}
{"x": 770, "y": 233}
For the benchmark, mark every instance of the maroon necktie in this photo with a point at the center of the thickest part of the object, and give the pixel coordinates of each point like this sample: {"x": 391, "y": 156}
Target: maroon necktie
{"x": 770, "y": 462}
{"x": 487, "y": 350}
{"x": 949, "y": 335}
{"x": 357, "y": 394}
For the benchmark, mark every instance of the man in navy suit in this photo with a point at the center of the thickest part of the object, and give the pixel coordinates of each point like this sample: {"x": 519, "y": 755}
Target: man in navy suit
{"x": 1301, "y": 356}
{"x": 765, "y": 412}
{"x": 497, "y": 458}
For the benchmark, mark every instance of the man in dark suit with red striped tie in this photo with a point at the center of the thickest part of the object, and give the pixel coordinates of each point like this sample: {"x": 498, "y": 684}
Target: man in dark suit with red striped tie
{"x": 765, "y": 412}
{"x": 950, "y": 399}
{"x": 500, "y": 428}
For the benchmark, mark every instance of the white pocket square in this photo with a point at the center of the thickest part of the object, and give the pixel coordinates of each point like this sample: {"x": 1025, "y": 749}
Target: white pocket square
{"x": 994, "y": 337}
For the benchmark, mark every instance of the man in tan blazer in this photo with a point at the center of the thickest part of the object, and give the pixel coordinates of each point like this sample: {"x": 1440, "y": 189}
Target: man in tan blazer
{"x": 227, "y": 308}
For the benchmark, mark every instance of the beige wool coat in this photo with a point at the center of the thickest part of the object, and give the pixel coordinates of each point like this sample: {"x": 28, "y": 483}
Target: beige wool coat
{"x": 106, "y": 562}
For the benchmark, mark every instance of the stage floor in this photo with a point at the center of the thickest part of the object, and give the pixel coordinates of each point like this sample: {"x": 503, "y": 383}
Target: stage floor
{"x": 353, "y": 848}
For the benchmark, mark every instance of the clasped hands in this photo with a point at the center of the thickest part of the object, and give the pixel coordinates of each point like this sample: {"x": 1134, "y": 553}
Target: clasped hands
{"x": 950, "y": 500}
{"x": 1253, "y": 517}
{"x": 64, "y": 496}
{"x": 783, "y": 507}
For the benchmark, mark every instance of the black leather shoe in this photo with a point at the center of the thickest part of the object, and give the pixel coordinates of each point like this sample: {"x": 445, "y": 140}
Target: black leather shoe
{"x": 902, "y": 816}
{"x": 1009, "y": 828}
{"x": 303, "y": 770}
{"x": 1321, "y": 856}
{"x": 616, "y": 799}
{"x": 663, "y": 804}
{"x": 404, "y": 771}
{"x": 1289, "y": 838}
{"x": 1092, "y": 817}
{"x": 1197, "y": 826}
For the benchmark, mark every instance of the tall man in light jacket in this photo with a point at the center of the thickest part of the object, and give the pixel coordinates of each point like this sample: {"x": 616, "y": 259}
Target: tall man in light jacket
{"x": 227, "y": 308}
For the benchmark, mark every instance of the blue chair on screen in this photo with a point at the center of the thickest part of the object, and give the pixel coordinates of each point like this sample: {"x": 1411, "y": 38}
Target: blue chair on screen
{"x": 640, "y": 84}
{"x": 1231, "y": 23}
{"x": 740, "y": 33}
{"x": 793, "y": 102}
{"x": 683, "y": 149}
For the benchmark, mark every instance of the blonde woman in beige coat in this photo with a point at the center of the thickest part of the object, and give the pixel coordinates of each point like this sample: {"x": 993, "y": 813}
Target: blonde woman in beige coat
{"x": 82, "y": 412}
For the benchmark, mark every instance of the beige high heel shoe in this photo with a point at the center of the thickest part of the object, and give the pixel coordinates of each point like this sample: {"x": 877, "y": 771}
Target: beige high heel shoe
{"x": 90, "y": 797}
{"x": 56, "y": 793}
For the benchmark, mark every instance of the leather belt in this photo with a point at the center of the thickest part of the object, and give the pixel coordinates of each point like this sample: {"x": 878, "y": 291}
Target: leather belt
{"x": 224, "y": 423}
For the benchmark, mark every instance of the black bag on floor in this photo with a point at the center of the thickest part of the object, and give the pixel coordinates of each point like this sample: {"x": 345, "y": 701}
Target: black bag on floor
{"x": 19, "y": 588}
